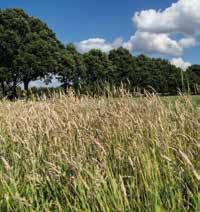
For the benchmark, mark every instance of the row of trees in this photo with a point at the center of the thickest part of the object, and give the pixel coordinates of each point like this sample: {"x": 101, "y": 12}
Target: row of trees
{"x": 29, "y": 50}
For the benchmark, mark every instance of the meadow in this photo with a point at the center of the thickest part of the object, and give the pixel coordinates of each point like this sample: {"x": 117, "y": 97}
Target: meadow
{"x": 100, "y": 154}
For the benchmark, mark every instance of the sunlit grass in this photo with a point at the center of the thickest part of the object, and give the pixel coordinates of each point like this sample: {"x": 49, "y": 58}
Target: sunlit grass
{"x": 99, "y": 154}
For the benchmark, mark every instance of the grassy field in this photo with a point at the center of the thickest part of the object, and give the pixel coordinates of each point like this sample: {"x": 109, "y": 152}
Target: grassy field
{"x": 98, "y": 154}
{"x": 195, "y": 100}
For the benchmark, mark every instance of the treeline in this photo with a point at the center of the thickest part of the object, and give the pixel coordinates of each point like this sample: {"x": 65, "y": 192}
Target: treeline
{"x": 29, "y": 51}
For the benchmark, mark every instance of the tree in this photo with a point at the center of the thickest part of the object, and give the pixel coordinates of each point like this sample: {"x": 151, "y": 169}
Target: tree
{"x": 157, "y": 74}
{"x": 9, "y": 45}
{"x": 66, "y": 69}
{"x": 124, "y": 64}
{"x": 100, "y": 69}
{"x": 4, "y": 81}
{"x": 71, "y": 69}
{"x": 172, "y": 80}
{"x": 29, "y": 48}
{"x": 142, "y": 78}
{"x": 79, "y": 74}
{"x": 39, "y": 57}
{"x": 193, "y": 78}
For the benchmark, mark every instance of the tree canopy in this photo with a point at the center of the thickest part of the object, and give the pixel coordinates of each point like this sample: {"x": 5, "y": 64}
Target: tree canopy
{"x": 29, "y": 49}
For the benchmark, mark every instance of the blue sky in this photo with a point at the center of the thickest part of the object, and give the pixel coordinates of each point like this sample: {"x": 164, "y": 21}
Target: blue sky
{"x": 80, "y": 20}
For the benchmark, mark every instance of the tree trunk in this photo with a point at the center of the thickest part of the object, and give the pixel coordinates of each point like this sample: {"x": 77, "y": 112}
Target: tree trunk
{"x": 14, "y": 89}
{"x": 3, "y": 89}
{"x": 66, "y": 86}
{"x": 26, "y": 85}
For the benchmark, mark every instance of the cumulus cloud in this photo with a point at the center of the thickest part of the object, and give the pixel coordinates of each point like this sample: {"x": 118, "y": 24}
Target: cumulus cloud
{"x": 98, "y": 43}
{"x": 154, "y": 30}
{"x": 182, "y": 16}
{"x": 180, "y": 63}
{"x": 188, "y": 42}
{"x": 161, "y": 43}
{"x": 154, "y": 43}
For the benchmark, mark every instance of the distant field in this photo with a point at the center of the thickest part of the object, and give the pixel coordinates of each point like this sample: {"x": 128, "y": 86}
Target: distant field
{"x": 194, "y": 99}
{"x": 100, "y": 154}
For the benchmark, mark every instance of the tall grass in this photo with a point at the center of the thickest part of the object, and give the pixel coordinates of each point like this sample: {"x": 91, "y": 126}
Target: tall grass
{"x": 99, "y": 154}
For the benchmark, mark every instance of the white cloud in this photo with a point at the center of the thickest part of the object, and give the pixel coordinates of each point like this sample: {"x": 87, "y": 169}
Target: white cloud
{"x": 180, "y": 63}
{"x": 154, "y": 43}
{"x": 98, "y": 43}
{"x": 188, "y": 42}
{"x": 154, "y": 30}
{"x": 117, "y": 43}
{"x": 142, "y": 41}
{"x": 182, "y": 16}
{"x": 161, "y": 43}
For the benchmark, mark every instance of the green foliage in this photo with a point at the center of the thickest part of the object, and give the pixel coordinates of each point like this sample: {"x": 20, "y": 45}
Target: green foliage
{"x": 100, "y": 69}
{"x": 28, "y": 47}
{"x": 125, "y": 66}
{"x": 159, "y": 74}
{"x": 71, "y": 68}
{"x": 193, "y": 78}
